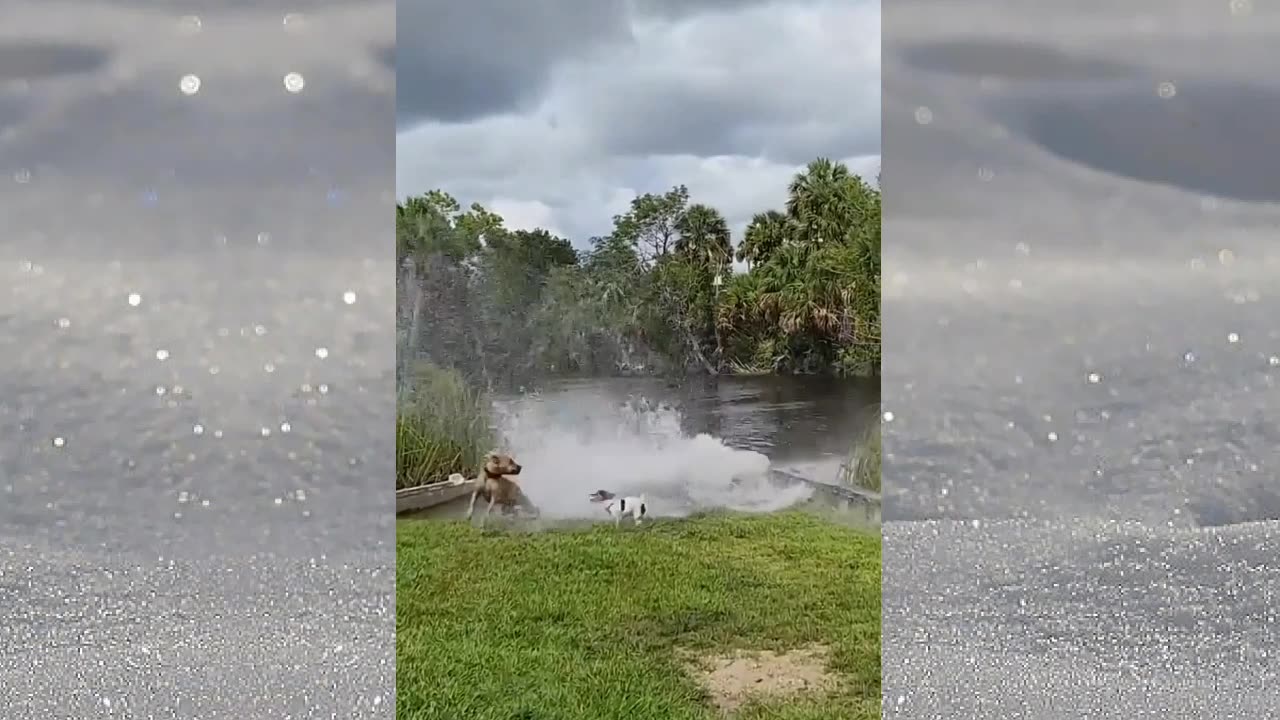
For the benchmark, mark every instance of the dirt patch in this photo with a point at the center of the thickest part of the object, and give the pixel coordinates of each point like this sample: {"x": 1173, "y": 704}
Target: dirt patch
{"x": 731, "y": 680}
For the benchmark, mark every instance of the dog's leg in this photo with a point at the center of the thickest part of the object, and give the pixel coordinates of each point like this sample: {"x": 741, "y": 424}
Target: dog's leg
{"x": 471, "y": 509}
{"x": 534, "y": 511}
{"x": 488, "y": 509}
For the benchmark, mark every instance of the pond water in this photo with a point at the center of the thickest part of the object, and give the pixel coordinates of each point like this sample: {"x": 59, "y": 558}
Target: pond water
{"x": 686, "y": 446}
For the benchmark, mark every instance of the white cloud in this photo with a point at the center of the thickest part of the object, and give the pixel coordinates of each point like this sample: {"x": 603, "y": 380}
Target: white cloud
{"x": 525, "y": 214}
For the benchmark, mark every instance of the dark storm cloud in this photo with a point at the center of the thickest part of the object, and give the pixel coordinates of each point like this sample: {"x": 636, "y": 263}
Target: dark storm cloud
{"x": 33, "y": 59}
{"x": 993, "y": 58}
{"x": 461, "y": 60}
{"x": 1203, "y": 136}
{"x": 738, "y": 118}
{"x": 458, "y": 61}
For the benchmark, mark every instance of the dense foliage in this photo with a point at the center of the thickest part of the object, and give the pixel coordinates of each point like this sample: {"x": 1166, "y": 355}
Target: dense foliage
{"x": 656, "y": 295}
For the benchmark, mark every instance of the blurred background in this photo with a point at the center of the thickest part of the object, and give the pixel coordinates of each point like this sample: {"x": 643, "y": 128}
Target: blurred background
{"x": 1080, "y": 291}
{"x": 197, "y": 332}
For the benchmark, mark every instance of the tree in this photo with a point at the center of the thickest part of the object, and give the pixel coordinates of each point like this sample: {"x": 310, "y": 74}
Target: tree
{"x": 650, "y": 226}
{"x": 426, "y": 226}
{"x": 433, "y": 238}
{"x": 704, "y": 238}
{"x": 767, "y": 232}
{"x": 820, "y": 202}
{"x": 682, "y": 307}
{"x": 478, "y": 227}
{"x": 542, "y": 251}
{"x": 506, "y": 306}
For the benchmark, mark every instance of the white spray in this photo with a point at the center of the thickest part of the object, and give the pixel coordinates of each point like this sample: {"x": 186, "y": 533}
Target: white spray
{"x": 571, "y": 449}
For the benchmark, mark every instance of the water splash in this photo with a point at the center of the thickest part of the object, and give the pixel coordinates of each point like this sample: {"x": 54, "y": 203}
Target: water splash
{"x": 571, "y": 448}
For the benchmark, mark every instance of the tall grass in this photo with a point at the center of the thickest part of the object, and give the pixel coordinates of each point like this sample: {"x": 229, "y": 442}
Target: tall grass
{"x": 442, "y": 427}
{"x": 862, "y": 468}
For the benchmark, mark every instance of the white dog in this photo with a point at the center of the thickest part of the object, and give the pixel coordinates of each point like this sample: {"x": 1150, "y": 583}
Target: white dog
{"x": 620, "y": 507}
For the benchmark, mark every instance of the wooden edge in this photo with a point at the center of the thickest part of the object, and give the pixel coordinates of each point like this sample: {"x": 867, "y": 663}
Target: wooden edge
{"x": 855, "y": 493}
{"x": 429, "y": 487}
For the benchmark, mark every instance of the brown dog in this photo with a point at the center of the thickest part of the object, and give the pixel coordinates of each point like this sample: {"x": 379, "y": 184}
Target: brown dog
{"x": 494, "y": 486}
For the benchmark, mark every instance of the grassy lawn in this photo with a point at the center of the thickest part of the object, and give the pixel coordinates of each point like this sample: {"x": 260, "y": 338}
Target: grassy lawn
{"x": 589, "y": 623}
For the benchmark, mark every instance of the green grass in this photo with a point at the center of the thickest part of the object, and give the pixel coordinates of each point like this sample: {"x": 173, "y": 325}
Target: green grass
{"x": 442, "y": 427}
{"x": 589, "y": 623}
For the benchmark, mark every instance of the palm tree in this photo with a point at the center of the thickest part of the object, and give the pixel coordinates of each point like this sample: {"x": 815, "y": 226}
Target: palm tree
{"x": 820, "y": 202}
{"x": 864, "y": 234}
{"x": 704, "y": 237}
{"x": 705, "y": 241}
{"x": 767, "y": 232}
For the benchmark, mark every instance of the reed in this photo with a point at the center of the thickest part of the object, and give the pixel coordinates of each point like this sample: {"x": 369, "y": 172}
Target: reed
{"x": 862, "y": 468}
{"x": 442, "y": 427}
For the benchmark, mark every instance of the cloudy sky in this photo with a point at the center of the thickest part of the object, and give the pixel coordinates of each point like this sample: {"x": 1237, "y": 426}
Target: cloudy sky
{"x": 556, "y": 113}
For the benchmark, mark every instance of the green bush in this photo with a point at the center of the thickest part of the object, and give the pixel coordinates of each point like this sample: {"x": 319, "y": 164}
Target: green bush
{"x": 442, "y": 427}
